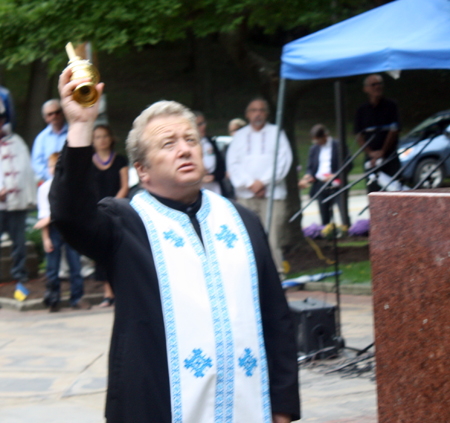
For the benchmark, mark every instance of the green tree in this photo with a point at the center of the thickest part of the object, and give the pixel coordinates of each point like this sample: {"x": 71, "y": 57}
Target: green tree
{"x": 36, "y": 31}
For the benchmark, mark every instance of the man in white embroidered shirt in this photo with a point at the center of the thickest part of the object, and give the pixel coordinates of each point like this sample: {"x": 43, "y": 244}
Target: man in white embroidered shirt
{"x": 202, "y": 332}
{"x": 250, "y": 160}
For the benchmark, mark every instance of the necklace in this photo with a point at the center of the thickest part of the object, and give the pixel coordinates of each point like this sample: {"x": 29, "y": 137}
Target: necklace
{"x": 97, "y": 157}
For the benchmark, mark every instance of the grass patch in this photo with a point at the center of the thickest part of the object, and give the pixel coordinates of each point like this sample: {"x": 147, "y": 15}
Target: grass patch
{"x": 352, "y": 273}
{"x": 362, "y": 243}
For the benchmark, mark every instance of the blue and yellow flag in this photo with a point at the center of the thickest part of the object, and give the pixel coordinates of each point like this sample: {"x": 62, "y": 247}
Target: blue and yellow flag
{"x": 21, "y": 292}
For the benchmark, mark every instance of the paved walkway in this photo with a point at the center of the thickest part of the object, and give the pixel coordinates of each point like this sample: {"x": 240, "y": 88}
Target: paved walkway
{"x": 357, "y": 201}
{"x": 53, "y": 367}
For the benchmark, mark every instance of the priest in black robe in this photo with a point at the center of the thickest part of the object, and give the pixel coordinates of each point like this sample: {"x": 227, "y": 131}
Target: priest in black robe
{"x": 144, "y": 374}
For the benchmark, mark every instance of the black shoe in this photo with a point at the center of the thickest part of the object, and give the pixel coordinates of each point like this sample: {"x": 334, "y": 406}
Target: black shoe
{"x": 81, "y": 305}
{"x": 55, "y": 307}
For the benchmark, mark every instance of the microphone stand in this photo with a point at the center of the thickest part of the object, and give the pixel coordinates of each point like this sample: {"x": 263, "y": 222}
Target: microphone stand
{"x": 339, "y": 340}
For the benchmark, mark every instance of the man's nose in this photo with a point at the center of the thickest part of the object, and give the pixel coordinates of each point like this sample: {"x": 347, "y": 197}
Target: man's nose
{"x": 184, "y": 148}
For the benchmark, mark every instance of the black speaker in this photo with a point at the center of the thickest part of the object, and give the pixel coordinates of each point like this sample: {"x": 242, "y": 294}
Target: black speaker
{"x": 315, "y": 325}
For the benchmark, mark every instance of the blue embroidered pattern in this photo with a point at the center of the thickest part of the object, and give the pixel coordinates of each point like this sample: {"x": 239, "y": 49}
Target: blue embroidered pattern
{"x": 166, "y": 297}
{"x": 248, "y": 362}
{"x": 198, "y": 362}
{"x": 222, "y": 325}
{"x": 177, "y": 240}
{"x": 227, "y": 236}
{"x": 262, "y": 351}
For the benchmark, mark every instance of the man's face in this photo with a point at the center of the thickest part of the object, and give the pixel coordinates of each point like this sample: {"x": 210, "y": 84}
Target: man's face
{"x": 257, "y": 114}
{"x": 53, "y": 115}
{"x": 373, "y": 86}
{"x": 174, "y": 157}
{"x": 201, "y": 125}
{"x": 320, "y": 140}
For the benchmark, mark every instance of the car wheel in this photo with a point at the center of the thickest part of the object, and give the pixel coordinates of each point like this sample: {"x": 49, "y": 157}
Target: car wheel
{"x": 422, "y": 169}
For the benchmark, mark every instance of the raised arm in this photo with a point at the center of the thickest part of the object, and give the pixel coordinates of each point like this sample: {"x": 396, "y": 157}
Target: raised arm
{"x": 87, "y": 227}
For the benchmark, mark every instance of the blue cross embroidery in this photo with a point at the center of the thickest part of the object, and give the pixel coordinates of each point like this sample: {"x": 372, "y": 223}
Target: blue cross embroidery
{"x": 198, "y": 362}
{"x": 177, "y": 240}
{"x": 248, "y": 362}
{"x": 227, "y": 236}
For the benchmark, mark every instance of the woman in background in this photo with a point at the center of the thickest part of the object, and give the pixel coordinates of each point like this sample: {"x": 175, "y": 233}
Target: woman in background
{"x": 111, "y": 176}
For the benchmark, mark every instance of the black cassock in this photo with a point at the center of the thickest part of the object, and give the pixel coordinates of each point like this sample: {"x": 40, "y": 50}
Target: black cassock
{"x": 112, "y": 233}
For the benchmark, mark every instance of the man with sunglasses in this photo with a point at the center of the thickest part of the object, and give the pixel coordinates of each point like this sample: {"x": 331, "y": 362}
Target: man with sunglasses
{"x": 50, "y": 140}
{"x": 378, "y": 118}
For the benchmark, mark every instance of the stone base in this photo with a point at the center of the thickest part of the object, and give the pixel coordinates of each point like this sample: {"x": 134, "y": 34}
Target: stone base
{"x": 410, "y": 254}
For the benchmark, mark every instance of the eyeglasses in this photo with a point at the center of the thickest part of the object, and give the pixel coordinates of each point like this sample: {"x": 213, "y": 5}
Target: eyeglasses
{"x": 56, "y": 112}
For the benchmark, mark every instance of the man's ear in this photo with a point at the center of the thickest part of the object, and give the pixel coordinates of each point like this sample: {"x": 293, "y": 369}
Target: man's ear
{"x": 142, "y": 171}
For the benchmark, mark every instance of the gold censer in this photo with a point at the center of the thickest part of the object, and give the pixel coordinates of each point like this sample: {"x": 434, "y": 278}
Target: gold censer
{"x": 85, "y": 94}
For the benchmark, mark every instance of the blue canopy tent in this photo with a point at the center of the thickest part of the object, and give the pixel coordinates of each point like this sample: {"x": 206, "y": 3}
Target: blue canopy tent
{"x": 404, "y": 34}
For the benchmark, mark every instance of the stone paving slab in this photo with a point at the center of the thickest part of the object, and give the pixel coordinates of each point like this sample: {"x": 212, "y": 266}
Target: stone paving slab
{"x": 53, "y": 367}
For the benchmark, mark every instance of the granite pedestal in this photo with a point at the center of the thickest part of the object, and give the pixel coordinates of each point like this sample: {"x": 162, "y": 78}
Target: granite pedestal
{"x": 410, "y": 254}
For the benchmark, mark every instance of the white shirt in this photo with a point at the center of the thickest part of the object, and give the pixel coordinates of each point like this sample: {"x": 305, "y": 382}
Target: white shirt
{"x": 210, "y": 163}
{"x": 43, "y": 204}
{"x": 324, "y": 169}
{"x": 250, "y": 157}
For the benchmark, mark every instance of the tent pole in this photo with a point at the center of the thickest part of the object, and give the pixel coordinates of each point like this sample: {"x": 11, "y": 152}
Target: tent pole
{"x": 278, "y": 122}
{"x": 343, "y": 151}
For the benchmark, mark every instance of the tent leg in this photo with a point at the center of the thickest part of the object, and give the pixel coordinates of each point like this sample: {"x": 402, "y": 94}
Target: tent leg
{"x": 343, "y": 151}
{"x": 279, "y": 122}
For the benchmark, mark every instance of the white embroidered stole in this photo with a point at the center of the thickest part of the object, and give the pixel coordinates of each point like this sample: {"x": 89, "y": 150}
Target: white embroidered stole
{"x": 210, "y": 298}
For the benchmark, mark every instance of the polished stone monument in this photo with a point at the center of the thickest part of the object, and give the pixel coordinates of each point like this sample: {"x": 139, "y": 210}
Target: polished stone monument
{"x": 410, "y": 255}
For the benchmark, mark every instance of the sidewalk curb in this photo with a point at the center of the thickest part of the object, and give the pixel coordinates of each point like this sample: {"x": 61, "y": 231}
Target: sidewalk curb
{"x": 94, "y": 299}
{"x": 356, "y": 289}
{"x": 29, "y": 305}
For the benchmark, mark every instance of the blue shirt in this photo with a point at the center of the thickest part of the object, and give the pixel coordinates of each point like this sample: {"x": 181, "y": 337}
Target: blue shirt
{"x": 45, "y": 144}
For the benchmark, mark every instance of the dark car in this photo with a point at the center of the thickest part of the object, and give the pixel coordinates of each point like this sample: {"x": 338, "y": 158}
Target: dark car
{"x": 422, "y": 162}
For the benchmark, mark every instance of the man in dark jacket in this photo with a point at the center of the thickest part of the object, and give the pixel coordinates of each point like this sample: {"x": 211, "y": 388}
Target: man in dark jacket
{"x": 323, "y": 163}
{"x": 202, "y": 331}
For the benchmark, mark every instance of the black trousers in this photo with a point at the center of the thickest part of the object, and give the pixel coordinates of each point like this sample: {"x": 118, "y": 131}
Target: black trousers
{"x": 326, "y": 210}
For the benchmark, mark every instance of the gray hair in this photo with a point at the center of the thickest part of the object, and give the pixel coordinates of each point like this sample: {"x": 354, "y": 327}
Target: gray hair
{"x": 136, "y": 146}
{"x": 266, "y": 103}
{"x": 49, "y": 103}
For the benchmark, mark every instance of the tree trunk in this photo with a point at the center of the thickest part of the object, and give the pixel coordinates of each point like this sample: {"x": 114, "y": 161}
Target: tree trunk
{"x": 203, "y": 94}
{"x": 39, "y": 91}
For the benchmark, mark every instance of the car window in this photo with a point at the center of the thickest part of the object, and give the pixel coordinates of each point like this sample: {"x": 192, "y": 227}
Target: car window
{"x": 429, "y": 127}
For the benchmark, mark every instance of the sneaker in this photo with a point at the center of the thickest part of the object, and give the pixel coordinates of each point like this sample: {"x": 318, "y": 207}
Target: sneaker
{"x": 81, "y": 305}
